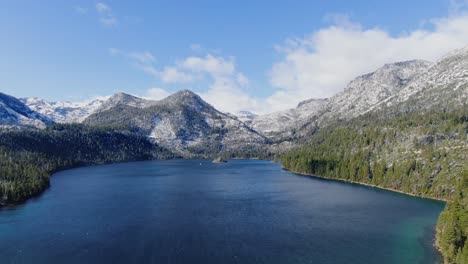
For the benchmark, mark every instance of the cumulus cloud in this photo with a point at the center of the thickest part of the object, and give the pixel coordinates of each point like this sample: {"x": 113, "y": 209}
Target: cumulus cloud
{"x": 226, "y": 86}
{"x": 173, "y": 75}
{"x": 320, "y": 64}
{"x": 316, "y": 65}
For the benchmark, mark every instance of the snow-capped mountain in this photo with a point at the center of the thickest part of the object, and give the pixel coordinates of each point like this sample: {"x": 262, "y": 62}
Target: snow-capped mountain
{"x": 359, "y": 95}
{"x": 182, "y": 121}
{"x": 367, "y": 90}
{"x": 69, "y": 112}
{"x": 125, "y": 99}
{"x": 245, "y": 116}
{"x": 63, "y": 112}
{"x": 14, "y": 112}
{"x": 443, "y": 85}
{"x": 283, "y": 123}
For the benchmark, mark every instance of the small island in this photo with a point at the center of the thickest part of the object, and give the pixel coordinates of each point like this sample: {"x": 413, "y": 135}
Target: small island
{"x": 219, "y": 160}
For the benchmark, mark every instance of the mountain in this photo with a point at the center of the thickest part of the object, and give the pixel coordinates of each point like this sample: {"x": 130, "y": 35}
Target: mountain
{"x": 284, "y": 123}
{"x": 409, "y": 136}
{"x": 13, "y": 112}
{"x": 359, "y": 95}
{"x": 68, "y": 112}
{"x": 63, "y": 112}
{"x": 183, "y": 122}
{"x": 368, "y": 90}
{"x": 245, "y": 116}
{"x": 442, "y": 86}
{"x": 126, "y": 100}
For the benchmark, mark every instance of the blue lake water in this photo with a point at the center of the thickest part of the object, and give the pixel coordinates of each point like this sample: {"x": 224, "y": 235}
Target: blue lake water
{"x": 193, "y": 211}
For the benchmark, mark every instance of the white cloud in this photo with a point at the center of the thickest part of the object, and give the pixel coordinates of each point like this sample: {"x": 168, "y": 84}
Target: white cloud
{"x": 103, "y": 8}
{"x": 174, "y": 75}
{"x": 227, "y": 95}
{"x": 322, "y": 63}
{"x": 226, "y": 89}
{"x": 209, "y": 64}
{"x": 317, "y": 65}
{"x": 156, "y": 94}
{"x": 106, "y": 16}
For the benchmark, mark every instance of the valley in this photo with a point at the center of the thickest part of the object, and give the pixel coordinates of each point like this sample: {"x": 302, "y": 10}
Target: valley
{"x": 402, "y": 127}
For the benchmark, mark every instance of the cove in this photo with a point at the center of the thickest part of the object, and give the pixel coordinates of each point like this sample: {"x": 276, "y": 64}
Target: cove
{"x": 193, "y": 211}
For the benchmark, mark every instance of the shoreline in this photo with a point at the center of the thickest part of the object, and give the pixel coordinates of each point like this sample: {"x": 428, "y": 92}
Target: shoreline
{"x": 364, "y": 184}
{"x": 436, "y": 242}
{"x": 60, "y": 169}
{"x": 56, "y": 170}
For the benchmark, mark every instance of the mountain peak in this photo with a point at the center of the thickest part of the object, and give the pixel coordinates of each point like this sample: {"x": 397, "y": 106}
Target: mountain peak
{"x": 122, "y": 96}
{"x": 187, "y": 98}
{"x": 185, "y": 94}
{"x": 245, "y": 115}
{"x": 125, "y": 99}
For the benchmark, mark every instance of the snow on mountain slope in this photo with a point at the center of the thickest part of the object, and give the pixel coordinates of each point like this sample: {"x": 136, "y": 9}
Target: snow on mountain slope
{"x": 284, "y": 122}
{"x": 69, "y": 112}
{"x": 14, "y": 112}
{"x": 367, "y": 90}
{"x": 360, "y": 94}
{"x": 125, "y": 99}
{"x": 444, "y": 84}
{"x": 245, "y": 116}
{"x": 63, "y": 112}
{"x": 182, "y": 121}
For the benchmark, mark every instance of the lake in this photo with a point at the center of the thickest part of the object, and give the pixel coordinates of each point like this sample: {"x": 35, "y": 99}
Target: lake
{"x": 193, "y": 211}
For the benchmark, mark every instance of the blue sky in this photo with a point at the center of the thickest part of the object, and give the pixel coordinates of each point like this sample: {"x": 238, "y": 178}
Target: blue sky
{"x": 255, "y": 55}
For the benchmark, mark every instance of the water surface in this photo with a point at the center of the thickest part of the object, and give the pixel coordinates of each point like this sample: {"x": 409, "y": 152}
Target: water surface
{"x": 193, "y": 211}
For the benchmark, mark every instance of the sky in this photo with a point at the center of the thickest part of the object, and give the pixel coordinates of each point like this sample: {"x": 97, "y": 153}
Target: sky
{"x": 260, "y": 56}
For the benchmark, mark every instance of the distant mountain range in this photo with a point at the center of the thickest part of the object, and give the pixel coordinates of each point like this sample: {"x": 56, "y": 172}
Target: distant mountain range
{"x": 63, "y": 112}
{"x": 184, "y": 122}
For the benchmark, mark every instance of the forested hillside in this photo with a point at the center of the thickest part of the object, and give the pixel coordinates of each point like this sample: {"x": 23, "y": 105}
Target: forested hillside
{"x": 452, "y": 227}
{"x": 423, "y": 154}
{"x": 27, "y": 158}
